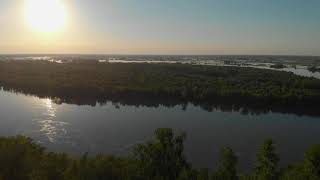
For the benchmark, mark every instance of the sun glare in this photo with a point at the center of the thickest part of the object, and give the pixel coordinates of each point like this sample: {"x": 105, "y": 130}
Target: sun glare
{"x": 45, "y": 15}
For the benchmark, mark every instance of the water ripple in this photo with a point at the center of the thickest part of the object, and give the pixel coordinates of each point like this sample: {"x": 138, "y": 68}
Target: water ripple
{"x": 50, "y": 126}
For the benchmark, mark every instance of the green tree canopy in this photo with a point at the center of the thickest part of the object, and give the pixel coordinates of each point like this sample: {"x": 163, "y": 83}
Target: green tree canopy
{"x": 267, "y": 161}
{"x": 312, "y": 162}
{"x": 227, "y": 165}
{"x": 164, "y": 156}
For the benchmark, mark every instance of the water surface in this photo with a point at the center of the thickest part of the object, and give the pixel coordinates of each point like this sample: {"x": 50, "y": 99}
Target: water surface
{"x": 115, "y": 129}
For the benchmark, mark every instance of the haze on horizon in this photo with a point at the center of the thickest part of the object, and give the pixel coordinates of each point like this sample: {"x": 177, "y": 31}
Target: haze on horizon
{"x": 273, "y": 27}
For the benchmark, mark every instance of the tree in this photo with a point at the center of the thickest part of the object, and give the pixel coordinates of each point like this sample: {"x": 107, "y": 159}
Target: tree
{"x": 203, "y": 174}
{"x": 20, "y": 158}
{"x": 312, "y": 162}
{"x": 293, "y": 172}
{"x": 163, "y": 158}
{"x": 227, "y": 165}
{"x": 267, "y": 164}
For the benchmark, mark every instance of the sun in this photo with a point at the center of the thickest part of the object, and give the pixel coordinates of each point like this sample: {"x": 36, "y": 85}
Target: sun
{"x": 45, "y": 15}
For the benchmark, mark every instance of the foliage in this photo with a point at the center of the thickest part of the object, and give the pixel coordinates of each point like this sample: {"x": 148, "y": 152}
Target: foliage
{"x": 278, "y": 66}
{"x": 160, "y": 159}
{"x": 267, "y": 165}
{"x": 314, "y": 69}
{"x": 186, "y": 83}
{"x": 227, "y": 167}
{"x": 164, "y": 157}
{"x": 312, "y": 162}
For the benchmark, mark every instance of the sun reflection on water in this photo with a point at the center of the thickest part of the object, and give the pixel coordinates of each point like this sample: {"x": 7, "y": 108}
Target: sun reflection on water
{"x": 49, "y": 125}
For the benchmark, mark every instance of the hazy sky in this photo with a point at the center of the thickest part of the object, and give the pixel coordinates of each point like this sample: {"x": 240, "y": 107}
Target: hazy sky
{"x": 169, "y": 27}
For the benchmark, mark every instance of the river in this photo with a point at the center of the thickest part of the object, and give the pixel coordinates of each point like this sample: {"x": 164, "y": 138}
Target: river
{"x": 115, "y": 128}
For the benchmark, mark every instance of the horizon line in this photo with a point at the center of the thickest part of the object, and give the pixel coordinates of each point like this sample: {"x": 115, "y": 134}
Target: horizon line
{"x": 147, "y": 54}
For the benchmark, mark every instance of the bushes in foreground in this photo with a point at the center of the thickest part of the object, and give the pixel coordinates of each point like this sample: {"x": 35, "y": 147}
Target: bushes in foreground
{"x": 161, "y": 159}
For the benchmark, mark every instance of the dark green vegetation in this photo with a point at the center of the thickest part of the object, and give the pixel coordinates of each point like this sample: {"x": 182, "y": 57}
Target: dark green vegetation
{"x": 227, "y": 88}
{"x": 278, "y": 66}
{"x": 161, "y": 159}
{"x": 314, "y": 69}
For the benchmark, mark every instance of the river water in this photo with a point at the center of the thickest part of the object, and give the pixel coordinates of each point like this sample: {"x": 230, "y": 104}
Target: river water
{"x": 115, "y": 129}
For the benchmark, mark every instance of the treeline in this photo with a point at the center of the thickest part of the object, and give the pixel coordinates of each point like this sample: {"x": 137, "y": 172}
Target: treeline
{"x": 203, "y": 85}
{"x": 160, "y": 159}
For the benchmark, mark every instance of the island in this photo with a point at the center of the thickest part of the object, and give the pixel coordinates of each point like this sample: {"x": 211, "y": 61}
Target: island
{"x": 88, "y": 82}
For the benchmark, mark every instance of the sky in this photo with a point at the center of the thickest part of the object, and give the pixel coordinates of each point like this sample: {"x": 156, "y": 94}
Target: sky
{"x": 268, "y": 27}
